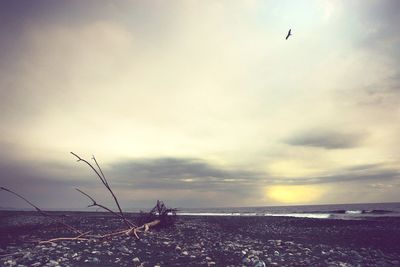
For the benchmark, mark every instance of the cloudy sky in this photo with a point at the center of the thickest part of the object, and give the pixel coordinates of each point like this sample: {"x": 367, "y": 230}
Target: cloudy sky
{"x": 200, "y": 103}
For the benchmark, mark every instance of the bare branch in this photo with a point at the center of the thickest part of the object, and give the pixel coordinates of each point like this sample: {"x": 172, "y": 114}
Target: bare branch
{"x": 104, "y": 181}
{"x": 105, "y": 208}
{"x": 159, "y": 215}
{"x": 45, "y": 214}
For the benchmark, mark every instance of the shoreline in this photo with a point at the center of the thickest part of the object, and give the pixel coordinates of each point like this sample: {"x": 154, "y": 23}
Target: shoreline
{"x": 205, "y": 241}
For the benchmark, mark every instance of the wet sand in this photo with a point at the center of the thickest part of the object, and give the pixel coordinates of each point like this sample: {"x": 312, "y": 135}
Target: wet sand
{"x": 203, "y": 241}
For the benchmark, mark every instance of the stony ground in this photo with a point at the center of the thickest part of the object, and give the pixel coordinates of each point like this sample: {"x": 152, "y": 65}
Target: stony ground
{"x": 203, "y": 241}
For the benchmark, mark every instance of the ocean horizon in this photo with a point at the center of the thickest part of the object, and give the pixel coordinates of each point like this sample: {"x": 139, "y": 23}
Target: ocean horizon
{"x": 326, "y": 211}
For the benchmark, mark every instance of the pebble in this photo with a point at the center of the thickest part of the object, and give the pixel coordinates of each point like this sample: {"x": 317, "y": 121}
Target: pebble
{"x": 259, "y": 263}
{"x": 52, "y": 263}
{"x": 11, "y": 262}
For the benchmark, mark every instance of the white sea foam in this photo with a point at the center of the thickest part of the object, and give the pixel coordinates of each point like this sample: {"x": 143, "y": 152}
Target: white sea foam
{"x": 353, "y": 211}
{"x": 207, "y": 214}
{"x": 302, "y": 215}
{"x": 297, "y": 215}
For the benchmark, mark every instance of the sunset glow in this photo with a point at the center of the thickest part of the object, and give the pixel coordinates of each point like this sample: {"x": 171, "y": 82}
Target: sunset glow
{"x": 294, "y": 194}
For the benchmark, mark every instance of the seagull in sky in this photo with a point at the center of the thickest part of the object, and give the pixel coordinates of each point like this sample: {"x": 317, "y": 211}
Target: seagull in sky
{"x": 289, "y": 33}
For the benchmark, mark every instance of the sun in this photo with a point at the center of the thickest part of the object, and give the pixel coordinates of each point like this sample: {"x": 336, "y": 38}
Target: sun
{"x": 294, "y": 194}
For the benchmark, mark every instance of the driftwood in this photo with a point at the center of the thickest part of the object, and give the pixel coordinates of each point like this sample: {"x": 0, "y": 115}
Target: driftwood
{"x": 159, "y": 216}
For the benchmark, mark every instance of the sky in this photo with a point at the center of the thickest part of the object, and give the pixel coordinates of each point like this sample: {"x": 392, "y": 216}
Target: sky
{"x": 200, "y": 103}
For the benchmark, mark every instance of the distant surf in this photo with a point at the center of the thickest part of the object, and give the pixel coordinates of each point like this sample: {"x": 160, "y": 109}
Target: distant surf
{"x": 339, "y": 211}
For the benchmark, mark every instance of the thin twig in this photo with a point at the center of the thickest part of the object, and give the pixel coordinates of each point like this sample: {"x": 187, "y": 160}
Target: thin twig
{"x": 79, "y": 237}
{"x": 45, "y": 214}
{"x": 90, "y": 165}
{"x": 98, "y": 166}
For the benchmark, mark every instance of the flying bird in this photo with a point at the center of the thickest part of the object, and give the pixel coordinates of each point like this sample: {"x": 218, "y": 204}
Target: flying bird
{"x": 288, "y": 34}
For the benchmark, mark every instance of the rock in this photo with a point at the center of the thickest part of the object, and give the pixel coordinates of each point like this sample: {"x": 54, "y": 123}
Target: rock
{"x": 124, "y": 249}
{"x": 259, "y": 263}
{"x": 52, "y": 263}
{"x": 211, "y": 263}
{"x": 136, "y": 260}
{"x": 246, "y": 261}
{"x": 36, "y": 264}
{"x": 276, "y": 253}
{"x": 343, "y": 264}
{"x": 307, "y": 250}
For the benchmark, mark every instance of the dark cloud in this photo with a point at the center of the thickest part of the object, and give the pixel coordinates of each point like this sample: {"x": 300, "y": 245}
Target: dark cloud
{"x": 325, "y": 139}
{"x": 45, "y": 183}
{"x": 197, "y": 175}
{"x": 40, "y": 186}
{"x": 180, "y": 173}
{"x": 48, "y": 183}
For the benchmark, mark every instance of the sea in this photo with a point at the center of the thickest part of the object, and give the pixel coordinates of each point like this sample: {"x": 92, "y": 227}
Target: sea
{"x": 333, "y": 211}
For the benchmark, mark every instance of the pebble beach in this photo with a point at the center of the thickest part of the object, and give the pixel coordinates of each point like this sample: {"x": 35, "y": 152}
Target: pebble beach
{"x": 202, "y": 241}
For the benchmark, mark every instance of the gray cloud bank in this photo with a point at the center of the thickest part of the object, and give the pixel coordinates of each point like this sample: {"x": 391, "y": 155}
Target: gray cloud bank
{"x": 54, "y": 186}
{"x": 328, "y": 139}
{"x": 179, "y": 173}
